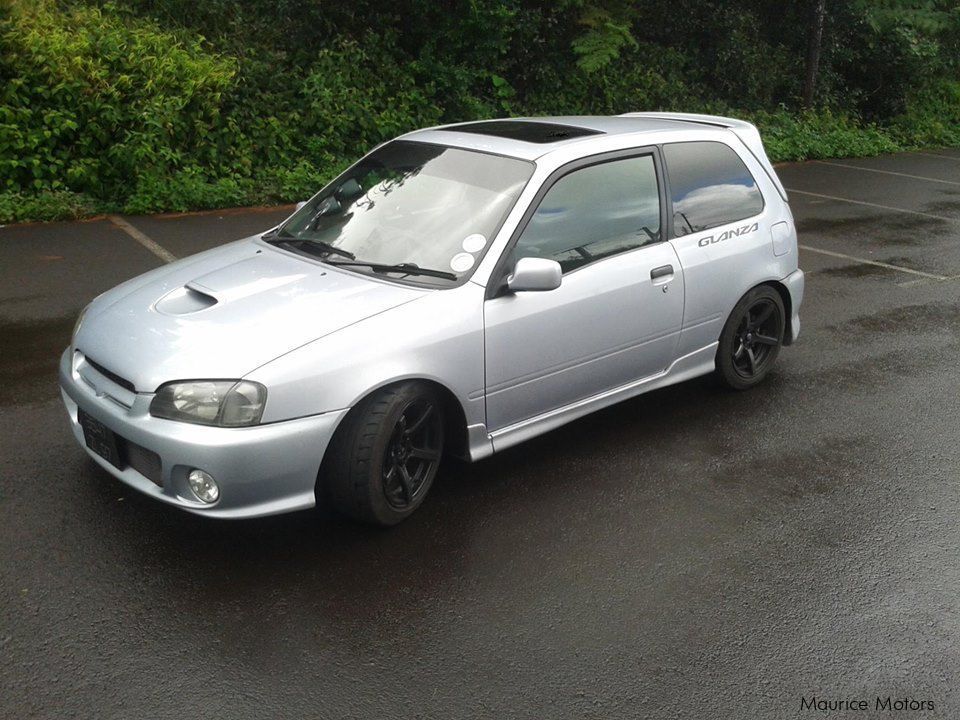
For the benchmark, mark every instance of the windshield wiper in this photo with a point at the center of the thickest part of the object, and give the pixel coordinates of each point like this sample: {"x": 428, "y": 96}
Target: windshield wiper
{"x": 322, "y": 249}
{"x": 406, "y": 268}
{"x": 314, "y": 247}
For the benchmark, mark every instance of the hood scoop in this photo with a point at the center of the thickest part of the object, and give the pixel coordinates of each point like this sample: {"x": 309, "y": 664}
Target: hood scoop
{"x": 185, "y": 301}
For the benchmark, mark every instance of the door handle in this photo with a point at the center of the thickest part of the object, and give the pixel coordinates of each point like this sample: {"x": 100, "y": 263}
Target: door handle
{"x": 662, "y": 271}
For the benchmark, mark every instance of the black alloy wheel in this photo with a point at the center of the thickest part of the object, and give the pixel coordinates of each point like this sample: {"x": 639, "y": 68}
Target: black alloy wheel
{"x": 758, "y": 334}
{"x": 385, "y": 455}
{"x": 751, "y": 338}
{"x": 413, "y": 453}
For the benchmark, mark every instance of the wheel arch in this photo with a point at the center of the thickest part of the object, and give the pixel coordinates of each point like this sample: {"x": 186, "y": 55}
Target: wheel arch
{"x": 784, "y": 294}
{"x": 454, "y": 420}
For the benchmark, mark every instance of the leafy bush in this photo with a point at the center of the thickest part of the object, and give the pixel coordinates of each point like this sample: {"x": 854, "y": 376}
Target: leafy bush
{"x": 932, "y": 116}
{"x": 292, "y": 184}
{"x": 643, "y": 78}
{"x": 356, "y": 96}
{"x": 146, "y": 105}
{"x": 819, "y": 134}
{"x": 45, "y": 205}
{"x": 92, "y": 100}
{"x": 185, "y": 189}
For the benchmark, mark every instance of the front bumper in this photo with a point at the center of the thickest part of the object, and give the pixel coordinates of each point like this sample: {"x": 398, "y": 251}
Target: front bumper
{"x": 261, "y": 470}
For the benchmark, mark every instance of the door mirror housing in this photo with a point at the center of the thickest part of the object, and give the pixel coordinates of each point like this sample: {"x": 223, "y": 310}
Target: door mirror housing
{"x": 300, "y": 204}
{"x": 535, "y": 274}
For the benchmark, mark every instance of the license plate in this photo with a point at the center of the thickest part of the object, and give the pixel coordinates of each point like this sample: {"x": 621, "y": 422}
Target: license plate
{"x": 100, "y": 438}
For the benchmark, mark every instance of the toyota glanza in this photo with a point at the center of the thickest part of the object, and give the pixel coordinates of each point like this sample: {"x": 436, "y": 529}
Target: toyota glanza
{"x": 458, "y": 290}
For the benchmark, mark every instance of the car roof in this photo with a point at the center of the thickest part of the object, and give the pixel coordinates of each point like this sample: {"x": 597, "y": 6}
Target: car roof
{"x": 533, "y": 137}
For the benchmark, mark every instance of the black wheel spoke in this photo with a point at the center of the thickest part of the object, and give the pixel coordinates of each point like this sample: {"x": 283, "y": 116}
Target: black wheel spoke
{"x": 407, "y": 482}
{"x": 424, "y": 454}
{"x": 411, "y": 429}
{"x": 750, "y": 350}
{"x": 413, "y": 452}
{"x": 764, "y": 313}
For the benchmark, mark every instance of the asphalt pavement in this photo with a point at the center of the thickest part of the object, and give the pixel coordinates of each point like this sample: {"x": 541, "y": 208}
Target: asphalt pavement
{"x": 691, "y": 553}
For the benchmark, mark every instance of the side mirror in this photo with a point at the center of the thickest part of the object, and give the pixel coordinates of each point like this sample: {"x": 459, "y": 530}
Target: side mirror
{"x": 535, "y": 274}
{"x": 300, "y": 204}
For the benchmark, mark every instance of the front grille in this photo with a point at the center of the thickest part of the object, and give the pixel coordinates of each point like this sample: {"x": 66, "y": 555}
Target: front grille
{"x": 122, "y": 382}
{"x": 146, "y": 462}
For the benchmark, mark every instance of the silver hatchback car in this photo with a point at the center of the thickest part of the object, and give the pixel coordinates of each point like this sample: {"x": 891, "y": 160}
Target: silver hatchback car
{"x": 458, "y": 290}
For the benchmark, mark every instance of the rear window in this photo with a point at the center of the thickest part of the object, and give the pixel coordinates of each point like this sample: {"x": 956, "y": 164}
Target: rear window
{"x": 710, "y": 186}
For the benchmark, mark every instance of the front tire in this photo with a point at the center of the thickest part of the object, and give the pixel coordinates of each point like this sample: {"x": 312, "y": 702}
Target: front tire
{"x": 383, "y": 461}
{"x": 751, "y": 339}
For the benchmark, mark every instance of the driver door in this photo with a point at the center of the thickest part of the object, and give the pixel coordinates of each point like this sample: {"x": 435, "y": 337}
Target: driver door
{"x": 617, "y": 314}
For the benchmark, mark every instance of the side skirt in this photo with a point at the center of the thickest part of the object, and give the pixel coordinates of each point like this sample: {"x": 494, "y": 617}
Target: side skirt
{"x": 482, "y": 444}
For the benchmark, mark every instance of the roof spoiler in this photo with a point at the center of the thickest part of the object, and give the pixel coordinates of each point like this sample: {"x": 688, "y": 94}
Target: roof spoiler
{"x": 747, "y": 133}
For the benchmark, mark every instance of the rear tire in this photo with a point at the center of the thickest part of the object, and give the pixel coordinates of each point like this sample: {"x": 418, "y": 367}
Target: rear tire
{"x": 751, "y": 339}
{"x": 384, "y": 459}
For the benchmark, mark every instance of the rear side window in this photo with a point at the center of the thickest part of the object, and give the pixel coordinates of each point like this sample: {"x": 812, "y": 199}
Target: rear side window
{"x": 710, "y": 186}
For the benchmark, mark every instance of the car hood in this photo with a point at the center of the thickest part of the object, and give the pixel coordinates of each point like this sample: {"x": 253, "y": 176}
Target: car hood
{"x": 224, "y": 313}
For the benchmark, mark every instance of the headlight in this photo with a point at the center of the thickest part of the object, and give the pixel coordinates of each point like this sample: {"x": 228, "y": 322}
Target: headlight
{"x": 224, "y": 403}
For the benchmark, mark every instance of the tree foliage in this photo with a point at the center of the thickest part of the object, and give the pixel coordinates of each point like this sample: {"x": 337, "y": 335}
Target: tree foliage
{"x": 144, "y": 105}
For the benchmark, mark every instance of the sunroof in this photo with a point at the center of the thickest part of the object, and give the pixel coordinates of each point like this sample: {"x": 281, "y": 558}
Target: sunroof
{"x": 526, "y": 130}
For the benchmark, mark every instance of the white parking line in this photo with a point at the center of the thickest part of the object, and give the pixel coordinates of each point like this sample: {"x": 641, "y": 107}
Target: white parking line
{"x": 870, "y": 204}
{"x": 885, "y": 172}
{"x": 142, "y": 238}
{"x": 876, "y": 263}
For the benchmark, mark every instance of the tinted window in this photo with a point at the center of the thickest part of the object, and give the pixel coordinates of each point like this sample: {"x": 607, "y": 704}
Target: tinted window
{"x": 710, "y": 186}
{"x": 594, "y": 213}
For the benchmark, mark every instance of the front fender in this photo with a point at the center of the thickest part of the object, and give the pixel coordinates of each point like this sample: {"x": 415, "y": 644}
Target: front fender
{"x": 438, "y": 337}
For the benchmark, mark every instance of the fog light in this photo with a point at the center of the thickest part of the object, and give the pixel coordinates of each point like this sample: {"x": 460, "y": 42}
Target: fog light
{"x": 203, "y": 486}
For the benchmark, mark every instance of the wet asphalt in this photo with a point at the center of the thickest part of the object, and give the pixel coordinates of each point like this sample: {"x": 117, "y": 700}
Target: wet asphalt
{"x": 691, "y": 553}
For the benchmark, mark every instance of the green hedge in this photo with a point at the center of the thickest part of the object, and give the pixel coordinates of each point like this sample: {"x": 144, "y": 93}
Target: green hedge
{"x": 127, "y": 106}
{"x": 96, "y": 105}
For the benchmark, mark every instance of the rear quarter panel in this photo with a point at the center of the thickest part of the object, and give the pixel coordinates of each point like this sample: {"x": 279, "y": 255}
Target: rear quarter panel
{"x": 721, "y": 264}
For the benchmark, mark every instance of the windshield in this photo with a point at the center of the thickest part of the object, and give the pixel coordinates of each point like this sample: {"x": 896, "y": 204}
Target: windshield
{"x": 407, "y": 207}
